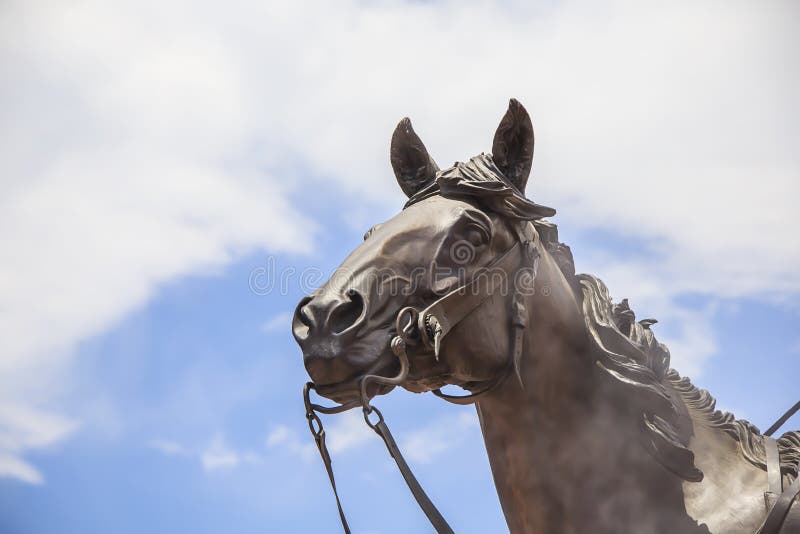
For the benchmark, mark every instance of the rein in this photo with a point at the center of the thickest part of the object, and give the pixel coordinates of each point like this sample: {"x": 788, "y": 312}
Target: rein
{"x": 382, "y": 429}
{"x": 429, "y": 327}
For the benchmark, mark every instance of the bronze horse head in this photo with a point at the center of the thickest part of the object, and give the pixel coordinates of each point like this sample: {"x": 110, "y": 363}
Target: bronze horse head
{"x": 586, "y": 426}
{"x": 454, "y": 224}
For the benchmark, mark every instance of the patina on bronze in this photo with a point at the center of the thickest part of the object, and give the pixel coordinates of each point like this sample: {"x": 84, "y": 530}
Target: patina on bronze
{"x": 586, "y": 426}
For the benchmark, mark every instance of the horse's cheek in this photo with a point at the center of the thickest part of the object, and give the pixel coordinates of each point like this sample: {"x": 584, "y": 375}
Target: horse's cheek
{"x": 479, "y": 347}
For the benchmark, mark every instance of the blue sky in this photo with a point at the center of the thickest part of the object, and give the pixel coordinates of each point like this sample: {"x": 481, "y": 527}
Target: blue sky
{"x": 157, "y": 156}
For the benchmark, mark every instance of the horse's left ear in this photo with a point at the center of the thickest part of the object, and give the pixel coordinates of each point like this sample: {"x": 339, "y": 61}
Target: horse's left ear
{"x": 512, "y": 149}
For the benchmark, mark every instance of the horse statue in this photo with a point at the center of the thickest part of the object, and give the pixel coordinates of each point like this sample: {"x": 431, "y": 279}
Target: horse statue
{"x": 586, "y": 426}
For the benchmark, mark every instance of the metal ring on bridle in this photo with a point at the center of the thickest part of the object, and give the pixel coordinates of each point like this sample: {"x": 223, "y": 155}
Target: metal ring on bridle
{"x": 369, "y": 409}
{"x": 398, "y": 345}
{"x": 312, "y": 407}
{"x": 407, "y": 330}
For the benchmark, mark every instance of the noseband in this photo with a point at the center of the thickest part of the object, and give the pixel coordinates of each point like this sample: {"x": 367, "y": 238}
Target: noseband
{"x": 428, "y": 328}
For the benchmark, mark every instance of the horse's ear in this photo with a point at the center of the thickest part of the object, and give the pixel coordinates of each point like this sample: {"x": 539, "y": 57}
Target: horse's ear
{"x": 413, "y": 166}
{"x": 512, "y": 149}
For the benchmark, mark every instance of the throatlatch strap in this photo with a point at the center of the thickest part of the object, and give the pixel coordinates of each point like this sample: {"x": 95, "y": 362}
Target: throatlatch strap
{"x": 519, "y": 334}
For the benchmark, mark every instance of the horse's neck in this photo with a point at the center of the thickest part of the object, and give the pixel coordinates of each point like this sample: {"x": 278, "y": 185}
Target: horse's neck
{"x": 739, "y": 507}
{"x": 562, "y": 458}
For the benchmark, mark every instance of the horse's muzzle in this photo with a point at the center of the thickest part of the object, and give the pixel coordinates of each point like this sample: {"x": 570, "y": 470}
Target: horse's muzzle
{"x": 325, "y": 325}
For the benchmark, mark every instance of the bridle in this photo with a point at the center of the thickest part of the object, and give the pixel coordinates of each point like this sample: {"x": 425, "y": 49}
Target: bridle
{"x": 428, "y": 328}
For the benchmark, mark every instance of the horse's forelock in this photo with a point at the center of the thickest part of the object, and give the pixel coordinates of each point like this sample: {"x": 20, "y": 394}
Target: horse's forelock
{"x": 480, "y": 179}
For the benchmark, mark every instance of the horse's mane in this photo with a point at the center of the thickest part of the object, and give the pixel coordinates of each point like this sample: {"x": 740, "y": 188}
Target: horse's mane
{"x": 630, "y": 357}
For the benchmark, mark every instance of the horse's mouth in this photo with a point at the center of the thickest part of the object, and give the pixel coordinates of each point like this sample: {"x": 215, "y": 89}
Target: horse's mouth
{"x": 349, "y": 390}
{"x": 341, "y": 392}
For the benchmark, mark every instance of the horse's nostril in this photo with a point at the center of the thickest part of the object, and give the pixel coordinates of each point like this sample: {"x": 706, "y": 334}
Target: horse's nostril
{"x": 346, "y": 313}
{"x": 302, "y": 321}
{"x": 323, "y": 315}
{"x": 304, "y": 315}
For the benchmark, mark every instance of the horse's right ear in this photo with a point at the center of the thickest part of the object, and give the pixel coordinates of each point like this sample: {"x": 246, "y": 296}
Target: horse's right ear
{"x": 413, "y": 166}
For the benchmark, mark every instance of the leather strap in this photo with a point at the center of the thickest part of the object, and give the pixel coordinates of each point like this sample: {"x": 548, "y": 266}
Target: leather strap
{"x": 776, "y": 516}
{"x": 449, "y": 310}
{"x": 785, "y": 417}
{"x": 463, "y": 400}
{"x": 773, "y": 465}
{"x": 319, "y": 439}
{"x": 431, "y": 512}
{"x": 436, "y": 321}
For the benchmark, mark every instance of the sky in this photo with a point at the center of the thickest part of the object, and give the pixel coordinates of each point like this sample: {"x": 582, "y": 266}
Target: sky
{"x": 177, "y": 175}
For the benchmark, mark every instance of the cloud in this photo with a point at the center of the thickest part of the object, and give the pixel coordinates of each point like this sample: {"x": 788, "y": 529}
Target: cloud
{"x": 168, "y": 447}
{"x": 23, "y": 428}
{"x": 425, "y": 444}
{"x": 219, "y": 457}
{"x": 278, "y": 322}
{"x": 145, "y": 142}
{"x": 687, "y": 331}
{"x": 345, "y": 433}
{"x": 118, "y": 178}
{"x": 14, "y": 467}
{"x": 283, "y": 437}
{"x": 348, "y": 432}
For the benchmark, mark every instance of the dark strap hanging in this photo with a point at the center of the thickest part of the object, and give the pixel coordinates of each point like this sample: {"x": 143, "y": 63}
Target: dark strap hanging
{"x": 424, "y": 502}
{"x": 315, "y": 424}
{"x": 319, "y": 439}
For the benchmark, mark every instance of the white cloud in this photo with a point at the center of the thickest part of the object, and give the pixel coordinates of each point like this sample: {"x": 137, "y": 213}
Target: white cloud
{"x": 285, "y": 438}
{"x": 14, "y": 467}
{"x": 279, "y": 435}
{"x": 688, "y": 332}
{"x": 168, "y": 447}
{"x": 425, "y": 444}
{"x": 145, "y": 141}
{"x": 347, "y": 432}
{"x": 124, "y": 170}
{"x": 23, "y": 428}
{"x": 278, "y": 322}
{"x": 218, "y": 456}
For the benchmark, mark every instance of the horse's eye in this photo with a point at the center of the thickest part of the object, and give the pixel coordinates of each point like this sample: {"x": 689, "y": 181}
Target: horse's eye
{"x": 476, "y": 237}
